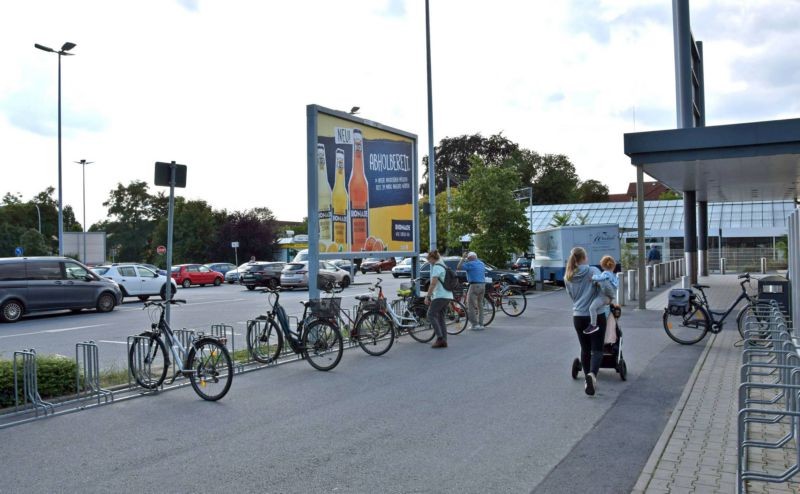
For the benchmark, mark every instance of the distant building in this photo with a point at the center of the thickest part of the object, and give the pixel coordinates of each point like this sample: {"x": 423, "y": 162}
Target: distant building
{"x": 652, "y": 191}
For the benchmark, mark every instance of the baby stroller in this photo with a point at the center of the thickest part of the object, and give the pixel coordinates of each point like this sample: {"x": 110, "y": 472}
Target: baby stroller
{"x": 612, "y": 349}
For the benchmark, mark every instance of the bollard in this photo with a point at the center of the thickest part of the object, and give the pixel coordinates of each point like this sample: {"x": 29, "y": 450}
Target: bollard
{"x": 685, "y": 282}
{"x": 648, "y": 279}
{"x": 632, "y": 288}
{"x": 621, "y": 288}
{"x": 763, "y": 265}
{"x": 673, "y": 271}
{"x": 722, "y": 262}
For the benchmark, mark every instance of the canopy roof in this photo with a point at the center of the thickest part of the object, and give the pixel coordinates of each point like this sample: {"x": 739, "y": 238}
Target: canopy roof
{"x": 740, "y": 162}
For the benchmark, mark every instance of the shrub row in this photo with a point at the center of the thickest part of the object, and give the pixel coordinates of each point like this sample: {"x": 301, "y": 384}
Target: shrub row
{"x": 56, "y": 376}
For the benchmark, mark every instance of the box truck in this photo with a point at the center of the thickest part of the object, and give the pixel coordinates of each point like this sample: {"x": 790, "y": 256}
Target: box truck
{"x": 552, "y": 248}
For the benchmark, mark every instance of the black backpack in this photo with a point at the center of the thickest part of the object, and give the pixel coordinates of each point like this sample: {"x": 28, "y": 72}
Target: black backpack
{"x": 451, "y": 282}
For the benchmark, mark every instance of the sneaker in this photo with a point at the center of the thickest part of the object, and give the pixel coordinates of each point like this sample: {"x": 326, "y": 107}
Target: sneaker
{"x": 591, "y": 384}
{"x": 439, "y": 343}
{"x": 476, "y": 327}
{"x": 591, "y": 329}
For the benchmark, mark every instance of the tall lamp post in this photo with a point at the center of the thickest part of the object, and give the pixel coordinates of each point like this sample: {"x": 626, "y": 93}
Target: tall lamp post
{"x": 83, "y": 164}
{"x": 518, "y": 196}
{"x": 64, "y": 49}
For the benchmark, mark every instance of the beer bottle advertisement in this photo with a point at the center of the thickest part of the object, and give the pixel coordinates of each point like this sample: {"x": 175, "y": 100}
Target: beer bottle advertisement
{"x": 324, "y": 199}
{"x": 373, "y": 186}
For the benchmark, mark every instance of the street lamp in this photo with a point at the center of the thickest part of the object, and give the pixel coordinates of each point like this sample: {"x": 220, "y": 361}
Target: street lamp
{"x": 83, "y": 164}
{"x": 518, "y": 197}
{"x": 64, "y": 49}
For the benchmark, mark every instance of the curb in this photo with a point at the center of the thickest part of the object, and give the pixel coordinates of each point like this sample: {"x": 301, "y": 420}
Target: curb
{"x": 652, "y": 462}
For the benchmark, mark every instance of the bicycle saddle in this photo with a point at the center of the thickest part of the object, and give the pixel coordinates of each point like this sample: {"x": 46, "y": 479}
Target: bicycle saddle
{"x": 363, "y": 297}
{"x": 308, "y": 303}
{"x": 700, "y": 287}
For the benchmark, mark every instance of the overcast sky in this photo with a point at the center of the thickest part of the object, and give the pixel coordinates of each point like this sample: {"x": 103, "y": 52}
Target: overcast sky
{"x": 221, "y": 86}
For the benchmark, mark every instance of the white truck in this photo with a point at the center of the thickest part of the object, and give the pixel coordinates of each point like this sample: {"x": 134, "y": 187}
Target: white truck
{"x": 552, "y": 248}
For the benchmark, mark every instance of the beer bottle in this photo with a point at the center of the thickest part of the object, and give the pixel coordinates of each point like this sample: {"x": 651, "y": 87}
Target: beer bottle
{"x": 339, "y": 203}
{"x": 359, "y": 196}
{"x": 324, "y": 197}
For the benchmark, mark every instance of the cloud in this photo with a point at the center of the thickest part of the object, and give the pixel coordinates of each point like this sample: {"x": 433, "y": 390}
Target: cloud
{"x": 27, "y": 110}
{"x": 394, "y": 8}
{"x": 190, "y": 5}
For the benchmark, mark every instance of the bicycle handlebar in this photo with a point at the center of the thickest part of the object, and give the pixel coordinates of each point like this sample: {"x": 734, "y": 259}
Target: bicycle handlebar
{"x": 174, "y": 301}
{"x": 746, "y": 275}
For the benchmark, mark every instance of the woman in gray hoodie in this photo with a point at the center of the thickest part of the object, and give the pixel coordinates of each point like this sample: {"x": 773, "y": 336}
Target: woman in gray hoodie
{"x": 582, "y": 290}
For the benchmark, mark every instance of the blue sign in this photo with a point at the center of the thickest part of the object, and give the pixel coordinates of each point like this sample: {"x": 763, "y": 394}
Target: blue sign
{"x": 18, "y": 252}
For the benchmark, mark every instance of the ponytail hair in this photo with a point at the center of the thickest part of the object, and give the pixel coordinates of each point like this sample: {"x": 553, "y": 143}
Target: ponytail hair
{"x": 434, "y": 256}
{"x": 576, "y": 256}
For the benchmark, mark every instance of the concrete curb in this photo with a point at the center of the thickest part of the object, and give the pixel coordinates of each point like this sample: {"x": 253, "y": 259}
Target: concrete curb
{"x": 652, "y": 462}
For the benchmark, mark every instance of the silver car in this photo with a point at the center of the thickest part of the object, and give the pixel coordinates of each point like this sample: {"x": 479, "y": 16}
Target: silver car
{"x": 295, "y": 274}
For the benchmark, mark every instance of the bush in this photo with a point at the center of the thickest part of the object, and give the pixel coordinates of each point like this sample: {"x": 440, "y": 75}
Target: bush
{"x": 55, "y": 374}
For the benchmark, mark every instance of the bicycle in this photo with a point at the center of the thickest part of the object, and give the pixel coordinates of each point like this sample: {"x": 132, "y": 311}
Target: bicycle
{"x": 317, "y": 338}
{"x": 488, "y": 303}
{"x": 688, "y": 325}
{"x": 206, "y": 363}
{"x": 510, "y": 298}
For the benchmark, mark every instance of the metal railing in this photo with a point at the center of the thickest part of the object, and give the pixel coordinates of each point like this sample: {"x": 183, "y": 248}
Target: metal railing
{"x": 769, "y": 399}
{"x": 25, "y": 369}
{"x": 87, "y": 373}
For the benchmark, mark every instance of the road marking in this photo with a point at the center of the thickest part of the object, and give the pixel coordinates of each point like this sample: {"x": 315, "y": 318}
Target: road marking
{"x": 54, "y": 330}
{"x": 116, "y": 342}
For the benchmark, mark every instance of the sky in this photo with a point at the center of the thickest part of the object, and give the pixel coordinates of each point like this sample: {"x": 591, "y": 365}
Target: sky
{"x": 222, "y": 86}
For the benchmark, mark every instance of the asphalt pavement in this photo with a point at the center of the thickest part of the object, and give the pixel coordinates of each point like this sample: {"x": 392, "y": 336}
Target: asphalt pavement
{"x": 497, "y": 411}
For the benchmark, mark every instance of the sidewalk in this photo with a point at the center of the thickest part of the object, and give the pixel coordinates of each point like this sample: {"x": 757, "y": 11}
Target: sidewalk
{"x": 697, "y": 451}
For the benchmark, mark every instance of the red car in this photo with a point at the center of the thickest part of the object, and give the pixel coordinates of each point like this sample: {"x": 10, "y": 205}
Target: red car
{"x": 196, "y": 274}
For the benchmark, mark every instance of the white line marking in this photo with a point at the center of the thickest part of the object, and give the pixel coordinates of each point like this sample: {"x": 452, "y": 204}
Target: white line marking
{"x": 54, "y": 330}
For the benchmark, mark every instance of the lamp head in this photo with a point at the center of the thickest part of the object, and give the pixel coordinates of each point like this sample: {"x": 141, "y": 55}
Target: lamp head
{"x": 354, "y": 110}
{"x": 43, "y": 48}
{"x": 68, "y": 46}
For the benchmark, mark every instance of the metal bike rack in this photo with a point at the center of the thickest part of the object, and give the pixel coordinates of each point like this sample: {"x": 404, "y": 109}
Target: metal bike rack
{"x": 87, "y": 373}
{"x": 30, "y": 384}
{"x": 185, "y": 336}
{"x": 769, "y": 398}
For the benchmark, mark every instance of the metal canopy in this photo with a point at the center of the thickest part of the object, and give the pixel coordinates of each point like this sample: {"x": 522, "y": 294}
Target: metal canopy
{"x": 741, "y": 162}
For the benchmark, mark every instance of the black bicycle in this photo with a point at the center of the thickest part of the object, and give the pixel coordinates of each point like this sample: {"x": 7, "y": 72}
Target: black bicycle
{"x": 690, "y": 322}
{"x": 317, "y": 338}
{"x": 206, "y": 362}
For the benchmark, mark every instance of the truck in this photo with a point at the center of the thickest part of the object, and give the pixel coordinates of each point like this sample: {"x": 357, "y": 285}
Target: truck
{"x": 552, "y": 247}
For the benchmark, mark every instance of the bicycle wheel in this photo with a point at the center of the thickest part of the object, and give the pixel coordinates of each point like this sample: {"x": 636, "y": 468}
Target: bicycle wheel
{"x": 323, "y": 345}
{"x": 148, "y": 361}
{"x": 488, "y": 310}
{"x": 264, "y": 340}
{"x": 212, "y": 369}
{"x": 423, "y": 331}
{"x": 754, "y": 317}
{"x": 455, "y": 317}
{"x": 375, "y": 333}
{"x": 689, "y": 328}
{"x": 513, "y": 302}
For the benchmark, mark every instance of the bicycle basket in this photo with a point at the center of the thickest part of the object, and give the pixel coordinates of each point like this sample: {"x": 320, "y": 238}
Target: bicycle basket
{"x": 327, "y": 308}
{"x": 373, "y": 304}
{"x": 678, "y": 304}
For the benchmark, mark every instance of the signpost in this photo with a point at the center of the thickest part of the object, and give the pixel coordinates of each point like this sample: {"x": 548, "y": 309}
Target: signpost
{"x": 362, "y": 190}
{"x": 161, "y": 250}
{"x": 171, "y": 175}
{"x": 18, "y": 252}
{"x": 235, "y": 246}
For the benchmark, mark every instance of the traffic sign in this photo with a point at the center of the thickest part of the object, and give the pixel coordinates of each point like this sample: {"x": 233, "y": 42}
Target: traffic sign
{"x": 161, "y": 250}
{"x": 18, "y": 252}
{"x": 235, "y": 245}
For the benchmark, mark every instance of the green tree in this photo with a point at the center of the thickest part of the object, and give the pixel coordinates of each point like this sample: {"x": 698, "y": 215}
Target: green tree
{"x": 442, "y": 222}
{"x": 9, "y": 238}
{"x": 669, "y": 195}
{"x": 195, "y": 233}
{"x": 561, "y": 219}
{"x": 592, "y": 191}
{"x": 556, "y": 181}
{"x": 132, "y": 218}
{"x": 33, "y": 243}
{"x": 256, "y": 231}
{"x": 485, "y": 207}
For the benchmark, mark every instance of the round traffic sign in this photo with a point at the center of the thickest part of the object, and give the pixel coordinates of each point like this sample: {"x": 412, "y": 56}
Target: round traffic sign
{"x": 161, "y": 249}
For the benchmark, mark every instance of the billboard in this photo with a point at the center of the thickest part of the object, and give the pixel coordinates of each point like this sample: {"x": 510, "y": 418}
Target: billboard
{"x": 362, "y": 186}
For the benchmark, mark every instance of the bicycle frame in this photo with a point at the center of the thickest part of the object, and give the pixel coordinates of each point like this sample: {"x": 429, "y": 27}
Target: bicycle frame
{"x": 293, "y": 338}
{"x": 714, "y": 313}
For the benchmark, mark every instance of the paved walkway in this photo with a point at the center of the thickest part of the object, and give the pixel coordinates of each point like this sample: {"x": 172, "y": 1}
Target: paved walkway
{"x": 697, "y": 451}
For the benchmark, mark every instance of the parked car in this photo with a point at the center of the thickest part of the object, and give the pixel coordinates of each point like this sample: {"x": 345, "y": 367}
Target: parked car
{"x": 220, "y": 267}
{"x": 136, "y": 280}
{"x": 33, "y": 284}
{"x": 523, "y": 280}
{"x": 187, "y": 275}
{"x": 377, "y": 265}
{"x": 262, "y": 274}
{"x": 295, "y": 274}
{"x": 234, "y": 275}
{"x": 403, "y": 268}
{"x": 162, "y": 272}
{"x": 521, "y": 264}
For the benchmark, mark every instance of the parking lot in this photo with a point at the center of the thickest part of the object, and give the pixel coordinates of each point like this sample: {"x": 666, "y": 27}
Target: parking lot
{"x": 58, "y": 332}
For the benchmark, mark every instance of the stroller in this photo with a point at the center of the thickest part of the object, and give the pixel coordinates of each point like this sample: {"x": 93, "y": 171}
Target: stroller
{"x": 612, "y": 349}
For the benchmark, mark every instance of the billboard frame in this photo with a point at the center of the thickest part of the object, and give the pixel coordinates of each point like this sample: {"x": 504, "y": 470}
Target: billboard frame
{"x": 314, "y": 256}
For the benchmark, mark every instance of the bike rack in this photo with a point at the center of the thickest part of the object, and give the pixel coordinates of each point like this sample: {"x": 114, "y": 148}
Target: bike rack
{"x": 185, "y": 336}
{"x": 87, "y": 373}
{"x": 30, "y": 384}
{"x": 136, "y": 345}
{"x": 769, "y": 397}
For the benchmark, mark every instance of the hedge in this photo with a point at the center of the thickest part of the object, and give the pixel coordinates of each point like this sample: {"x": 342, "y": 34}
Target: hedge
{"x": 56, "y": 376}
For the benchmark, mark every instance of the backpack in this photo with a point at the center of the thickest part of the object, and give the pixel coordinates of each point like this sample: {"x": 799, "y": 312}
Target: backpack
{"x": 451, "y": 282}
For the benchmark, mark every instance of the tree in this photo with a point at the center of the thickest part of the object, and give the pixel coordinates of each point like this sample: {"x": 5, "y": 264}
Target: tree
{"x": 442, "y": 241}
{"x": 556, "y": 181}
{"x": 33, "y": 243}
{"x": 132, "y": 220}
{"x": 453, "y": 155}
{"x": 485, "y": 207}
{"x": 256, "y": 231}
{"x": 9, "y": 238}
{"x": 195, "y": 233}
{"x": 669, "y": 195}
{"x": 561, "y": 219}
{"x": 592, "y": 191}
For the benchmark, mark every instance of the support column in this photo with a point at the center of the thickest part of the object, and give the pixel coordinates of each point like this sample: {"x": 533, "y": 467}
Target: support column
{"x": 702, "y": 237}
{"x": 690, "y": 235}
{"x": 641, "y": 276}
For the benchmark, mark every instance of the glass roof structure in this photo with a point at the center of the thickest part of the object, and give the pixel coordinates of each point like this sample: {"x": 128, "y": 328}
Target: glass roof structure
{"x": 665, "y": 218}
